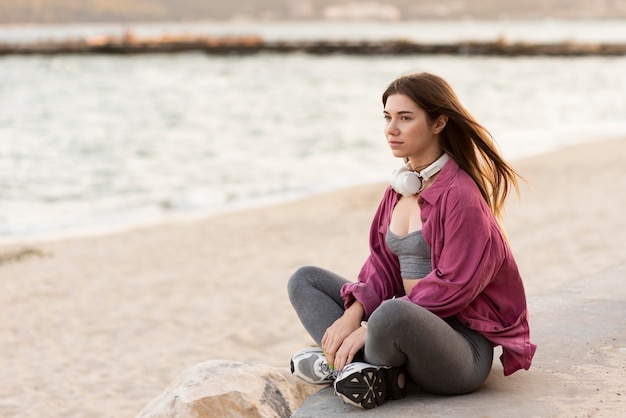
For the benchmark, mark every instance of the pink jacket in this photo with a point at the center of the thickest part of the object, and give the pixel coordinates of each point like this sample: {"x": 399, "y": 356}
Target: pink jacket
{"x": 474, "y": 274}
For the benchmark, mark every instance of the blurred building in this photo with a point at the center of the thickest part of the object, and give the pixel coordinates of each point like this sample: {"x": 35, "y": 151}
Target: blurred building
{"x": 301, "y": 9}
{"x": 362, "y": 11}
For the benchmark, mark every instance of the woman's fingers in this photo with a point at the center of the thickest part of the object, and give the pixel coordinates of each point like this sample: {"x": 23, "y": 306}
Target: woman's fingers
{"x": 336, "y": 334}
{"x": 329, "y": 346}
{"x": 343, "y": 357}
{"x": 349, "y": 348}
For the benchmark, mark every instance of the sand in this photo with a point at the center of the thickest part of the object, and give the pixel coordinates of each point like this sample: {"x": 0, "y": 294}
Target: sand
{"x": 99, "y": 326}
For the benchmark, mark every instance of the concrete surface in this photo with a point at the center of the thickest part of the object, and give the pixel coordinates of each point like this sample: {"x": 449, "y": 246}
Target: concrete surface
{"x": 579, "y": 369}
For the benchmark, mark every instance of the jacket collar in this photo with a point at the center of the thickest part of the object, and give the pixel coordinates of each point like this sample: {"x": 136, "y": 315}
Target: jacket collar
{"x": 432, "y": 193}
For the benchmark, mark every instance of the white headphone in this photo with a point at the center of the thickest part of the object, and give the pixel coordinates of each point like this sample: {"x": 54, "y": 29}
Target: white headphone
{"x": 408, "y": 182}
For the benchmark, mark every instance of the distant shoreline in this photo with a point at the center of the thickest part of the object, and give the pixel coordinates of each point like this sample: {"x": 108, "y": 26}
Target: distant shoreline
{"x": 131, "y": 44}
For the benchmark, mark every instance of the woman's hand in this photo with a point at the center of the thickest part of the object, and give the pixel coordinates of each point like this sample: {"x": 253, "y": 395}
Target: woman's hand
{"x": 340, "y": 330}
{"x": 351, "y": 345}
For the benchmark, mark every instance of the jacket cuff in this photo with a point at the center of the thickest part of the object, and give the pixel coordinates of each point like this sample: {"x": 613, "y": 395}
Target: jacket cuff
{"x": 363, "y": 293}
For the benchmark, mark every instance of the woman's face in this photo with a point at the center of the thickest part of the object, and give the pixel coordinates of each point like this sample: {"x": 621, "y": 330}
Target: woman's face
{"x": 408, "y": 131}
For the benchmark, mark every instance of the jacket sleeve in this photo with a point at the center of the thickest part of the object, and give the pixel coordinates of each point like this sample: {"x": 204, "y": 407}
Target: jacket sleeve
{"x": 466, "y": 257}
{"x": 378, "y": 279}
{"x": 372, "y": 288}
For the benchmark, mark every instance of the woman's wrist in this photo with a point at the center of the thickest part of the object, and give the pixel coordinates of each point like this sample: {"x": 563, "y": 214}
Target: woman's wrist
{"x": 355, "y": 311}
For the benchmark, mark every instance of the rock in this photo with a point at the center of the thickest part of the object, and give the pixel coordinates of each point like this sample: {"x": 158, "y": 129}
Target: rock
{"x": 219, "y": 388}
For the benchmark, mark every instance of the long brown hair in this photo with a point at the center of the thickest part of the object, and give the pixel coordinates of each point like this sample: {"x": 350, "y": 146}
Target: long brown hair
{"x": 463, "y": 138}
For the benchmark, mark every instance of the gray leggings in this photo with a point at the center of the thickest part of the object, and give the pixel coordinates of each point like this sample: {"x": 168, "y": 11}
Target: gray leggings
{"x": 441, "y": 356}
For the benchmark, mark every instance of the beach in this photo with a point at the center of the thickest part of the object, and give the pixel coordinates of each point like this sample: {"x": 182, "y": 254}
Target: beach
{"x": 98, "y": 326}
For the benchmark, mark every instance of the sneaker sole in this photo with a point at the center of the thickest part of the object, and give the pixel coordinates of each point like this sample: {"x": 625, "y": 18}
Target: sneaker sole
{"x": 371, "y": 387}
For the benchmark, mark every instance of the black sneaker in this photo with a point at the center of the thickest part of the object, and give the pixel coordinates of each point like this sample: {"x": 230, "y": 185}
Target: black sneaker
{"x": 368, "y": 386}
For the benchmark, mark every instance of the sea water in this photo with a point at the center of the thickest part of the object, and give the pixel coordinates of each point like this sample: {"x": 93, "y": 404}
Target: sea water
{"x": 101, "y": 142}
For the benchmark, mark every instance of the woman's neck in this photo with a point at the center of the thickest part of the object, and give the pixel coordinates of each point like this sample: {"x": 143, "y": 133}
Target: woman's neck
{"x": 419, "y": 166}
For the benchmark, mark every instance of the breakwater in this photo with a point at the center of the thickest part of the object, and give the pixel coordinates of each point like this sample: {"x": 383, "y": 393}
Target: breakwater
{"x": 130, "y": 44}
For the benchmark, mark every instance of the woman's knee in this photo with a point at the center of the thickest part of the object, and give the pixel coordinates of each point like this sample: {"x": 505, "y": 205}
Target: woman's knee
{"x": 311, "y": 278}
{"x": 298, "y": 280}
{"x": 302, "y": 275}
{"x": 396, "y": 314}
{"x": 396, "y": 310}
{"x": 386, "y": 328}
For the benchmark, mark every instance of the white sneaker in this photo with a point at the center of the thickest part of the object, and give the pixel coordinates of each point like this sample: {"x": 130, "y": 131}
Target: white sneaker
{"x": 368, "y": 386}
{"x": 311, "y": 366}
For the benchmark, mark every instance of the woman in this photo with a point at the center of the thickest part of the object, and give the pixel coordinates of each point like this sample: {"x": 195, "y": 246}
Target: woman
{"x": 440, "y": 288}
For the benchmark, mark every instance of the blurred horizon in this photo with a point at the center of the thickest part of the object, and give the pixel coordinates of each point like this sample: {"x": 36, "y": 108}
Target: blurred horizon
{"x": 87, "y": 11}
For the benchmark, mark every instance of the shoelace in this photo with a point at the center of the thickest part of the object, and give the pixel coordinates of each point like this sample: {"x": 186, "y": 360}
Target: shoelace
{"x": 327, "y": 371}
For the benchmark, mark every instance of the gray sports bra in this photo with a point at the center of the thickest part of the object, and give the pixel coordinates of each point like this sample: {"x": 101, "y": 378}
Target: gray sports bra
{"x": 413, "y": 253}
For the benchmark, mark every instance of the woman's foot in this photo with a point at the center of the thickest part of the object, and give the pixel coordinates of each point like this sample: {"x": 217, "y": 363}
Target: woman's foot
{"x": 367, "y": 386}
{"x": 311, "y": 366}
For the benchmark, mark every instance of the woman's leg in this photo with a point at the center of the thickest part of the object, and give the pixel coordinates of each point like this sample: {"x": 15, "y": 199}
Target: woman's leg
{"x": 440, "y": 356}
{"x": 315, "y": 296}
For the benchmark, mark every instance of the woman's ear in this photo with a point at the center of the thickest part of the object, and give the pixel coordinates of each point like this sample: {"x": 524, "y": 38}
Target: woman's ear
{"x": 440, "y": 123}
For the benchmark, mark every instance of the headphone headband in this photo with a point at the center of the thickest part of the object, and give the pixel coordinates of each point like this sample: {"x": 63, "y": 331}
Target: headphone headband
{"x": 434, "y": 168}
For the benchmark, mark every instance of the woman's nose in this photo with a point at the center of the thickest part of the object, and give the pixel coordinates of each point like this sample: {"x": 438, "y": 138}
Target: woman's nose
{"x": 391, "y": 128}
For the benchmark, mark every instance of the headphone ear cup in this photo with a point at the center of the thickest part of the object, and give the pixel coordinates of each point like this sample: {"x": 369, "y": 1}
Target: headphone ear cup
{"x": 393, "y": 179}
{"x": 405, "y": 182}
